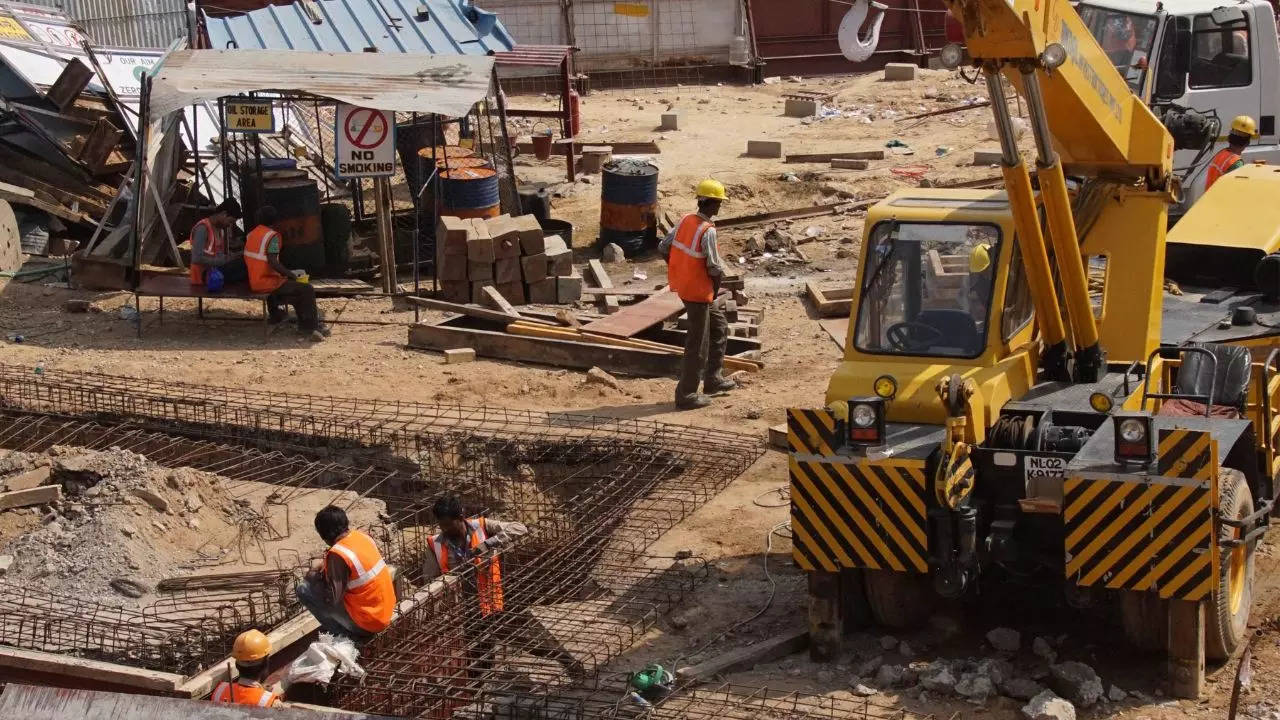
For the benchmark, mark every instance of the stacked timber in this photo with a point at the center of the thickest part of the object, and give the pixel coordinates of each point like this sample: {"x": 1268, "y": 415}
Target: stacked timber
{"x": 511, "y": 255}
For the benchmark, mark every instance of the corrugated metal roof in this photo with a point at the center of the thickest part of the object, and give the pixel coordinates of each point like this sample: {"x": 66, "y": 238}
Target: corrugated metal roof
{"x": 44, "y": 703}
{"x": 444, "y": 84}
{"x": 390, "y": 26}
{"x": 126, "y": 23}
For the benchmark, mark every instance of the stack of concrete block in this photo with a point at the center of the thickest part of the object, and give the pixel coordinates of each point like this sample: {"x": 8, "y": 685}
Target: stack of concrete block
{"x": 510, "y": 254}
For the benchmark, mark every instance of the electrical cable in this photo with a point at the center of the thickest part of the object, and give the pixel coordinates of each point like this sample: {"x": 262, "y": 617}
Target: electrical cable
{"x": 782, "y": 491}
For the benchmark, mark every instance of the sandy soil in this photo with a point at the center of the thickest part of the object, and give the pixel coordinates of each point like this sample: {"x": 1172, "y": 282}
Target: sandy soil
{"x": 372, "y": 361}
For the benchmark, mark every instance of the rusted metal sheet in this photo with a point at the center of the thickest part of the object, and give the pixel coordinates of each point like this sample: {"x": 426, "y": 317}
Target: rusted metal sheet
{"x": 800, "y": 38}
{"x": 126, "y": 23}
{"x": 30, "y": 702}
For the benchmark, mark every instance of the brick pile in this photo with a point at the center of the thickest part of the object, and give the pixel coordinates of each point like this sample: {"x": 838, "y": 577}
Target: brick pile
{"x": 510, "y": 254}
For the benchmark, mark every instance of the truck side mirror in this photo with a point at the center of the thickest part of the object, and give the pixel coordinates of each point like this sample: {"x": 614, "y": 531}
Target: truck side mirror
{"x": 1175, "y": 60}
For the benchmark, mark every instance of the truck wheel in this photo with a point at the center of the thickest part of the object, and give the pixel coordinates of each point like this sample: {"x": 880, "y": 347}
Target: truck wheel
{"x": 898, "y": 600}
{"x": 1145, "y": 617}
{"x": 1227, "y": 617}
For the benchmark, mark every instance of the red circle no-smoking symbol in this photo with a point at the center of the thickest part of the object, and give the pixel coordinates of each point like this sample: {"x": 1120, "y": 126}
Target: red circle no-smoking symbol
{"x": 365, "y": 129}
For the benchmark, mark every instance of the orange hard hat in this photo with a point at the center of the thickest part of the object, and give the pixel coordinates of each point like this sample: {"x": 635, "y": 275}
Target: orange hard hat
{"x": 251, "y": 646}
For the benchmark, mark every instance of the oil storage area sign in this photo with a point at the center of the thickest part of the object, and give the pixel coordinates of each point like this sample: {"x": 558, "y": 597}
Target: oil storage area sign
{"x": 250, "y": 116}
{"x": 366, "y": 142}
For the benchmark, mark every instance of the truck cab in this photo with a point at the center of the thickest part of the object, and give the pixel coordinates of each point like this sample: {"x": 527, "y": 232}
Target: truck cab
{"x": 1207, "y": 55}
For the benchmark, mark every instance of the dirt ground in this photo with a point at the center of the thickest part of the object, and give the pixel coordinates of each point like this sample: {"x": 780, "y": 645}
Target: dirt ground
{"x": 372, "y": 361}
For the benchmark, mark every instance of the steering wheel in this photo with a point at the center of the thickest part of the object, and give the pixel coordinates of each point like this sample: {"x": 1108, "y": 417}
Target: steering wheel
{"x": 906, "y": 336}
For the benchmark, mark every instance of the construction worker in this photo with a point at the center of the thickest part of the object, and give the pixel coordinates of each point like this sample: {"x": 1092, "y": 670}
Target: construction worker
{"x": 464, "y": 543}
{"x": 695, "y": 270}
{"x": 250, "y": 651}
{"x": 1232, "y": 156}
{"x": 210, "y": 247}
{"x": 268, "y": 275}
{"x": 350, "y": 591}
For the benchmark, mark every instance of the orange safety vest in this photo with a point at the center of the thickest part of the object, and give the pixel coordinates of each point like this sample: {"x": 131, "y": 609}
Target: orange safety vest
{"x": 370, "y": 596}
{"x": 237, "y": 694}
{"x": 488, "y": 579}
{"x": 687, "y": 266}
{"x": 262, "y": 278}
{"x": 1220, "y": 165}
{"x": 212, "y": 248}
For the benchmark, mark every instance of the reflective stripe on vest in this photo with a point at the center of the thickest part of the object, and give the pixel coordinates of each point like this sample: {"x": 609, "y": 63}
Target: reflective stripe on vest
{"x": 370, "y": 597}
{"x": 693, "y": 250}
{"x": 1219, "y": 166}
{"x": 262, "y": 277}
{"x": 687, "y": 269}
{"x": 213, "y": 239}
{"x": 488, "y": 580}
{"x": 247, "y": 695}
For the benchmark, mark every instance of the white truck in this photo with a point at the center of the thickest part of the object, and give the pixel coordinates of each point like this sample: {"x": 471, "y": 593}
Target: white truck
{"x": 1211, "y": 56}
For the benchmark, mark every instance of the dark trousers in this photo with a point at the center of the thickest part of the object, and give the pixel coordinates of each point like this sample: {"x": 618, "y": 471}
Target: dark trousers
{"x": 704, "y": 346}
{"x": 303, "y": 299}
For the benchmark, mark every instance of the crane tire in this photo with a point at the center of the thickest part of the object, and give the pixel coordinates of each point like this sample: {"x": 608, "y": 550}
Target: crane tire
{"x": 1227, "y": 616}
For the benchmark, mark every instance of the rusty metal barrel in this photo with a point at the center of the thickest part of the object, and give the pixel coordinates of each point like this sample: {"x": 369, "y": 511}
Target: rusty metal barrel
{"x": 469, "y": 192}
{"x": 629, "y": 205}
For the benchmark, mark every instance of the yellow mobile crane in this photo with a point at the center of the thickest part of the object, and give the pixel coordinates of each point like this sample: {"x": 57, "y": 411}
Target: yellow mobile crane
{"x": 1007, "y": 403}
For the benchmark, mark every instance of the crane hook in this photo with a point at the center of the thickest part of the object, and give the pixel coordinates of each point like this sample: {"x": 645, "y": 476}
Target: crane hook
{"x": 856, "y": 47}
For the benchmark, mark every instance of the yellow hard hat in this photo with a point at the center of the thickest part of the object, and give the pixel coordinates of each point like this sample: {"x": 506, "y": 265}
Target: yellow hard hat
{"x": 713, "y": 189}
{"x": 980, "y": 258}
{"x": 1244, "y": 125}
{"x": 251, "y": 646}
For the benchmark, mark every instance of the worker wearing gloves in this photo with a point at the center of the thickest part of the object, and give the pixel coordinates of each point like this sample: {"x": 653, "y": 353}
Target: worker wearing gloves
{"x": 470, "y": 544}
{"x": 210, "y": 247}
{"x": 349, "y": 591}
{"x": 250, "y": 652}
{"x": 694, "y": 270}
{"x": 268, "y": 275}
{"x": 1232, "y": 156}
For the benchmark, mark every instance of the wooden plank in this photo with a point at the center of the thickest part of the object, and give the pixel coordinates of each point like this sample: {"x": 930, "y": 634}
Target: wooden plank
{"x": 284, "y": 635}
{"x": 1186, "y": 648}
{"x": 494, "y": 300}
{"x": 475, "y": 311}
{"x": 22, "y": 196}
{"x": 837, "y": 328}
{"x": 745, "y": 658}
{"x": 618, "y": 292}
{"x": 596, "y": 271}
{"x": 828, "y": 157}
{"x": 730, "y": 362}
{"x": 72, "y": 81}
{"x": 66, "y": 665}
{"x": 41, "y": 495}
{"x": 655, "y": 309}
{"x": 832, "y": 302}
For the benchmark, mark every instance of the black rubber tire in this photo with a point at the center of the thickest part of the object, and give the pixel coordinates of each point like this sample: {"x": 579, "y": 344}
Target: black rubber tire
{"x": 1145, "y": 619}
{"x": 899, "y": 600}
{"x": 1225, "y": 630}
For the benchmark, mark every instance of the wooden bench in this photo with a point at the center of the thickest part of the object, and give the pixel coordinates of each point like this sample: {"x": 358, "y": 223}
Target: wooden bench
{"x": 162, "y": 286}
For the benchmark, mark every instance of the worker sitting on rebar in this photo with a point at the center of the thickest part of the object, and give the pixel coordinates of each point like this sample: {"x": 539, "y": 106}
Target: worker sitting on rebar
{"x": 251, "y": 652}
{"x": 469, "y": 543}
{"x": 350, "y": 591}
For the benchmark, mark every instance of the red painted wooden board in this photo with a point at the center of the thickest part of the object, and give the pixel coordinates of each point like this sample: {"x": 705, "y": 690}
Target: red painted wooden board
{"x": 635, "y": 319}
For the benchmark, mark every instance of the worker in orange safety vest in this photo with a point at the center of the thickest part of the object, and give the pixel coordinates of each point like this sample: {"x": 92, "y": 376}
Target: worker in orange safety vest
{"x": 469, "y": 546}
{"x": 250, "y": 652}
{"x": 281, "y": 285}
{"x": 350, "y": 592}
{"x": 694, "y": 270}
{"x": 210, "y": 247}
{"x": 1231, "y": 157}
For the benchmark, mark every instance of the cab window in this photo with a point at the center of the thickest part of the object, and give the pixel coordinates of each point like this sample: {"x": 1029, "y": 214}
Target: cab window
{"x": 1018, "y": 308}
{"x": 1220, "y": 54}
{"x": 927, "y": 288}
{"x": 1126, "y": 38}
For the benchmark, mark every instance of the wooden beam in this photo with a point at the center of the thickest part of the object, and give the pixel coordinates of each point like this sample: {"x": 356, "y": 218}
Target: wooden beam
{"x": 730, "y": 362}
{"x": 22, "y": 196}
{"x": 284, "y": 635}
{"x": 596, "y": 271}
{"x": 826, "y": 616}
{"x": 831, "y": 302}
{"x": 475, "y": 311}
{"x": 1186, "y": 648}
{"x": 794, "y": 213}
{"x": 745, "y": 658}
{"x": 654, "y": 310}
{"x": 828, "y": 157}
{"x": 67, "y": 665}
{"x": 494, "y": 300}
{"x": 618, "y": 292}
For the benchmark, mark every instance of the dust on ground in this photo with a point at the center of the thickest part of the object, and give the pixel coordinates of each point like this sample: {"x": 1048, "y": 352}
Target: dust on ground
{"x": 372, "y": 361}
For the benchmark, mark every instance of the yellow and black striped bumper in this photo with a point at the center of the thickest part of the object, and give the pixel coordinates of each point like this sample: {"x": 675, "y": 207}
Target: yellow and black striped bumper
{"x": 851, "y": 512}
{"x": 1129, "y": 531}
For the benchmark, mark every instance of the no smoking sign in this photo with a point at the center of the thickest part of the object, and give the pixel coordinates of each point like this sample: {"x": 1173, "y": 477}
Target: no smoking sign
{"x": 366, "y": 144}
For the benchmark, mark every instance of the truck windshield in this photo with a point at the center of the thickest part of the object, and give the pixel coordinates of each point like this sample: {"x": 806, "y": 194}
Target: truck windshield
{"x": 1127, "y": 38}
{"x": 926, "y": 289}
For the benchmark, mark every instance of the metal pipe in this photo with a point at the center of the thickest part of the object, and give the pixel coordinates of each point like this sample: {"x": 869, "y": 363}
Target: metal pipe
{"x": 1004, "y": 124}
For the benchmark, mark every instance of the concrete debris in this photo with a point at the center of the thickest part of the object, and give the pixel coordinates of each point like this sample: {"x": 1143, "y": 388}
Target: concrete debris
{"x": 596, "y": 376}
{"x": 612, "y": 253}
{"x": 1047, "y": 706}
{"x": 152, "y": 498}
{"x": 998, "y": 669}
{"x": 889, "y": 642}
{"x": 888, "y": 676}
{"x": 1021, "y": 688}
{"x": 938, "y": 678}
{"x": 1043, "y": 649}
{"x": 1077, "y": 682}
{"x": 857, "y": 688}
{"x": 976, "y": 687}
{"x": 6, "y": 562}
{"x": 1005, "y": 640}
{"x": 1115, "y": 694}
{"x": 869, "y": 667}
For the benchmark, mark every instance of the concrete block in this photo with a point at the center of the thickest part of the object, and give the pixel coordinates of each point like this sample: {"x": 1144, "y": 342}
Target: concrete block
{"x": 594, "y": 157}
{"x": 459, "y": 355}
{"x": 453, "y": 267}
{"x": 898, "y": 72}
{"x": 479, "y": 271}
{"x": 559, "y": 263}
{"x": 507, "y": 270}
{"x": 530, "y": 234}
{"x": 552, "y": 243}
{"x": 839, "y": 164}
{"x": 534, "y": 267}
{"x": 799, "y": 108}
{"x": 480, "y": 250}
{"x": 988, "y": 156}
{"x": 505, "y": 235}
{"x": 568, "y": 288}
{"x": 764, "y": 148}
{"x": 452, "y": 233}
{"x": 513, "y": 292}
{"x": 42, "y": 495}
{"x": 670, "y": 121}
{"x": 543, "y": 292}
{"x": 455, "y": 292}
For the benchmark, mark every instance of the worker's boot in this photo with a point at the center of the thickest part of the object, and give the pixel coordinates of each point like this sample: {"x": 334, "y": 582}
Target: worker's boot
{"x": 693, "y": 403}
{"x": 718, "y": 384}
